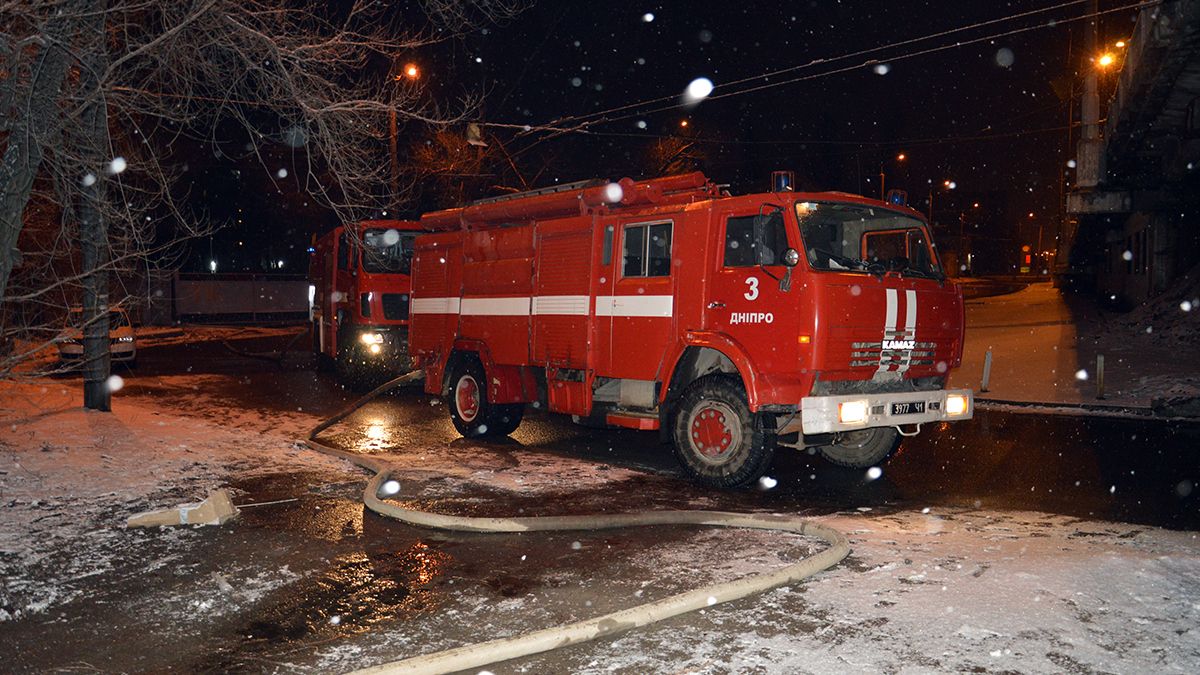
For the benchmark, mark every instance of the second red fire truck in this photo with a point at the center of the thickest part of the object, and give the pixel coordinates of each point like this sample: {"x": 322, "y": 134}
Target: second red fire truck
{"x": 359, "y": 297}
{"x": 731, "y": 325}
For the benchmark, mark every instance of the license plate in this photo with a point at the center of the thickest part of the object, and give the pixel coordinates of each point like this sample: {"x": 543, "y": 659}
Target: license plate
{"x": 910, "y": 408}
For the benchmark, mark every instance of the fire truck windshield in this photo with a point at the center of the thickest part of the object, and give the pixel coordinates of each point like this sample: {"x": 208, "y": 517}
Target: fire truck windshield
{"x": 387, "y": 251}
{"x": 866, "y": 240}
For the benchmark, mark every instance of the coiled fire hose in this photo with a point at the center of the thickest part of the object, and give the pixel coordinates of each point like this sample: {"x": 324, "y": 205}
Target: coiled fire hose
{"x": 481, "y": 654}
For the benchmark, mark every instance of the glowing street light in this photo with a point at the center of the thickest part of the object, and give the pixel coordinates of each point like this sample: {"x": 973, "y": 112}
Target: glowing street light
{"x": 1105, "y": 60}
{"x": 683, "y": 123}
{"x": 410, "y": 71}
{"x": 1120, "y": 44}
{"x": 901, "y": 157}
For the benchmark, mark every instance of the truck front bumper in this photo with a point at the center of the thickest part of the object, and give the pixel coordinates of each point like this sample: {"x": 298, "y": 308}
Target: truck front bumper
{"x": 829, "y": 414}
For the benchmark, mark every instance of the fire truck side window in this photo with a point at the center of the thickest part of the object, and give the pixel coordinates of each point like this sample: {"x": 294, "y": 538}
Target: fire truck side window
{"x": 343, "y": 253}
{"x": 647, "y": 250}
{"x": 739, "y": 240}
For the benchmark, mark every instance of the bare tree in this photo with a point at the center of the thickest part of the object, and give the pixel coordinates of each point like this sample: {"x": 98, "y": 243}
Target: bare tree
{"x": 673, "y": 154}
{"x": 102, "y": 98}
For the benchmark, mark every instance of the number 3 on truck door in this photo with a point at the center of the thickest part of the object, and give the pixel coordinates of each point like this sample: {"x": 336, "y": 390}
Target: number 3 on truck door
{"x": 751, "y": 294}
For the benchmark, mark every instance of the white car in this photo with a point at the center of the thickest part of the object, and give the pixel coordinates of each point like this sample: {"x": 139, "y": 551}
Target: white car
{"x": 122, "y": 341}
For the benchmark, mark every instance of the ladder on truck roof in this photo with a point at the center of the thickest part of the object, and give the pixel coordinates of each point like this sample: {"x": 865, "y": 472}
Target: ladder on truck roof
{"x": 565, "y": 187}
{"x": 568, "y": 199}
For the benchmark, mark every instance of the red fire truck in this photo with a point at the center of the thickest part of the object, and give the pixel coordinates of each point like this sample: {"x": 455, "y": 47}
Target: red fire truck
{"x": 730, "y": 324}
{"x": 359, "y": 298}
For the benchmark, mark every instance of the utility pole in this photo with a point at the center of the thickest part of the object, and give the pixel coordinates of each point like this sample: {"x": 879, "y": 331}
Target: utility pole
{"x": 395, "y": 172}
{"x": 1090, "y": 165}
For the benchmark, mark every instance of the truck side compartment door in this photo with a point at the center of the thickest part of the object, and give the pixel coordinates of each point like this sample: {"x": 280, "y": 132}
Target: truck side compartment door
{"x": 638, "y": 313}
{"x": 561, "y": 300}
{"x": 436, "y": 298}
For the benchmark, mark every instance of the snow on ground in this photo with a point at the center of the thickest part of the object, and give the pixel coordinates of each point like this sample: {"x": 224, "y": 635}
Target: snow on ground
{"x": 69, "y": 478}
{"x": 1044, "y": 345}
{"x": 948, "y": 591}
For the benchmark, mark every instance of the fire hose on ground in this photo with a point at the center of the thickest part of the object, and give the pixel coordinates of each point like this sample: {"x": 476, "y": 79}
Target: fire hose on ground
{"x": 481, "y": 654}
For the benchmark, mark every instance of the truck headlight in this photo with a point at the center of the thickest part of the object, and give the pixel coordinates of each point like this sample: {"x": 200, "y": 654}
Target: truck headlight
{"x": 371, "y": 338}
{"x": 956, "y": 404}
{"x": 853, "y": 412}
{"x": 125, "y": 338}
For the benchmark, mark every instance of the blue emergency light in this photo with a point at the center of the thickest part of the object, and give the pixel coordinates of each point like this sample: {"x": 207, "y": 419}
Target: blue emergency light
{"x": 897, "y": 197}
{"x": 783, "y": 181}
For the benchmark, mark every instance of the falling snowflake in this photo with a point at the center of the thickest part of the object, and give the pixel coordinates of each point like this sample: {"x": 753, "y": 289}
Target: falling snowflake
{"x": 874, "y": 473}
{"x": 89, "y": 180}
{"x": 1004, "y": 57}
{"x": 282, "y": 173}
{"x": 117, "y": 165}
{"x": 390, "y": 487}
{"x": 882, "y": 69}
{"x": 698, "y": 89}
{"x": 114, "y": 383}
{"x": 648, "y": 17}
{"x": 1081, "y": 374}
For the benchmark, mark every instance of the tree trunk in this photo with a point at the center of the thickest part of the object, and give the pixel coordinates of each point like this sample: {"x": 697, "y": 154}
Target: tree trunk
{"x": 23, "y": 154}
{"x": 93, "y": 228}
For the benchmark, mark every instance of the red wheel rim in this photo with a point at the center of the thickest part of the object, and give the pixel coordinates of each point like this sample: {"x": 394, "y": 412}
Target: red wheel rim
{"x": 466, "y": 398}
{"x": 715, "y": 431}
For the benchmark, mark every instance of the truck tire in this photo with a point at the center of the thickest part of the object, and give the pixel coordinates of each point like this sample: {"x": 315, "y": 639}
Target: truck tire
{"x": 470, "y": 410}
{"x": 862, "y": 449}
{"x": 719, "y": 442}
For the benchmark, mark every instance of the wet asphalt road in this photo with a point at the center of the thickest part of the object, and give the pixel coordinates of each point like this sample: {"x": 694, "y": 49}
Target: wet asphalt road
{"x": 375, "y": 575}
{"x": 1133, "y": 470}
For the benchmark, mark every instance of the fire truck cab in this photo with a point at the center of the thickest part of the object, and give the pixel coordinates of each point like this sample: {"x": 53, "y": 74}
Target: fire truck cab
{"x": 359, "y": 297}
{"x": 730, "y": 324}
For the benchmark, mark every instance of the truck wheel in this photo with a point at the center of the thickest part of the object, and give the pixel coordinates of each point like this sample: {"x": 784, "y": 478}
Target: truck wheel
{"x": 470, "y": 410}
{"x": 862, "y": 449}
{"x": 717, "y": 439}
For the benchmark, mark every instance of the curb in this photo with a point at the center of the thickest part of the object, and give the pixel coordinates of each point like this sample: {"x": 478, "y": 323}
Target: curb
{"x": 1156, "y": 412}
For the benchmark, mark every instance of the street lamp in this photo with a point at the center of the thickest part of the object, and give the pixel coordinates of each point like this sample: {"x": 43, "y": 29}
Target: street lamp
{"x": 883, "y": 177}
{"x": 946, "y": 184}
{"x": 409, "y": 72}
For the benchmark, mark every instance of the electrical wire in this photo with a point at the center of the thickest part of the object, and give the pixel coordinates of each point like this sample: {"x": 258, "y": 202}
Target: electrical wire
{"x": 585, "y": 121}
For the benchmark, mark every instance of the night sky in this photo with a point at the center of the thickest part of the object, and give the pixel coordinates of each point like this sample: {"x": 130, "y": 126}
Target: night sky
{"x": 990, "y": 116}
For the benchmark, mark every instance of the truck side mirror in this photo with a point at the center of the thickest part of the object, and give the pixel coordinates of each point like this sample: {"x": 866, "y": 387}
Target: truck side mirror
{"x": 791, "y": 257}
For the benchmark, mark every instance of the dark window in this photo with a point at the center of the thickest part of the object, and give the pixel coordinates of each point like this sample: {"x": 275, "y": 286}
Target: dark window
{"x": 395, "y": 306}
{"x": 740, "y": 250}
{"x": 343, "y": 252}
{"x": 647, "y": 250}
{"x": 365, "y": 305}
